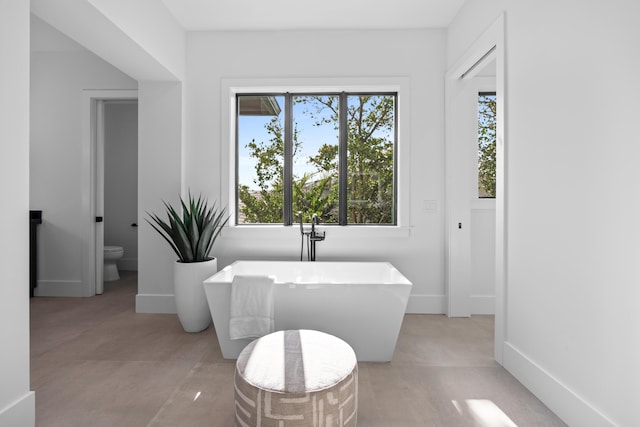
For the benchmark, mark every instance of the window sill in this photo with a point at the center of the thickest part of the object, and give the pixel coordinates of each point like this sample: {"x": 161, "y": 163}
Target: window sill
{"x": 336, "y": 232}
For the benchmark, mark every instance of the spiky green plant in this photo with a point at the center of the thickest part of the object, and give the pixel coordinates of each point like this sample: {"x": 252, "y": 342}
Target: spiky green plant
{"x": 192, "y": 235}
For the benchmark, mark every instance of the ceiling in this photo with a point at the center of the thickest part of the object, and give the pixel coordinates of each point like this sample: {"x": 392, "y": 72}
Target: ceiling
{"x": 232, "y": 15}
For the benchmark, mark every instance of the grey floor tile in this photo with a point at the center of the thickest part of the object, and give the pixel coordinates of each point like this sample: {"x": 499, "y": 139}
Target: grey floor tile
{"x": 95, "y": 362}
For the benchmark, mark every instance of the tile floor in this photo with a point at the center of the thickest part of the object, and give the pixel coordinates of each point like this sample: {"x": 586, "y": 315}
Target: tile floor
{"x": 96, "y": 363}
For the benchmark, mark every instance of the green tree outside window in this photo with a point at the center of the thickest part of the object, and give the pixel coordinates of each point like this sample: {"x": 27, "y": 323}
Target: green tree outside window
{"x": 369, "y": 123}
{"x": 487, "y": 145}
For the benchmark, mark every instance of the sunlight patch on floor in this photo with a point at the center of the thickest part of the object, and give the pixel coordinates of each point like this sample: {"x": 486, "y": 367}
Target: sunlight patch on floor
{"x": 484, "y": 412}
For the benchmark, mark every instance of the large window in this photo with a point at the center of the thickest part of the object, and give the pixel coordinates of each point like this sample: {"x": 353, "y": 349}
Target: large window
{"x": 487, "y": 145}
{"x": 333, "y": 155}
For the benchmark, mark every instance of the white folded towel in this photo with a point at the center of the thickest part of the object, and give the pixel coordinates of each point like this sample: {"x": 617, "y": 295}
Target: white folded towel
{"x": 251, "y": 307}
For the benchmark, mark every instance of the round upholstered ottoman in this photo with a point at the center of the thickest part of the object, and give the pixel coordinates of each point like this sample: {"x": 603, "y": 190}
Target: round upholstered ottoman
{"x": 296, "y": 378}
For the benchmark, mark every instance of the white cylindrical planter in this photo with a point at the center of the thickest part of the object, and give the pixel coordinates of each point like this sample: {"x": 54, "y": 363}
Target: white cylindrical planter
{"x": 191, "y": 302}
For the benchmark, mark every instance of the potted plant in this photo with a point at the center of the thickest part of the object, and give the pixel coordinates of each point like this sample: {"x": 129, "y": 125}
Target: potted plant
{"x": 191, "y": 236}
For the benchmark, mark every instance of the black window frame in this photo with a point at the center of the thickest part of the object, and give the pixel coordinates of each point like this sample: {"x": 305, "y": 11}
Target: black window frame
{"x": 288, "y": 215}
{"x": 481, "y": 94}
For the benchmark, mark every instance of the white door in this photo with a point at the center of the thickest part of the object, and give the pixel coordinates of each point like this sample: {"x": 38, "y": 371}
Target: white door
{"x": 461, "y": 187}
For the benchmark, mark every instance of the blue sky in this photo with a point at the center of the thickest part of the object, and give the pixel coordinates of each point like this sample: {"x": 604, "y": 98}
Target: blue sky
{"x": 312, "y": 136}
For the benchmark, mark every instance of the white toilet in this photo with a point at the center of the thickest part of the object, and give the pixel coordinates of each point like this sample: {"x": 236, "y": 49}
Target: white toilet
{"x": 111, "y": 256}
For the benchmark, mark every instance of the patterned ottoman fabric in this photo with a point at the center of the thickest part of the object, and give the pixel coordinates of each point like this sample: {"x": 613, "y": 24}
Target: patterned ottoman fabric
{"x": 296, "y": 378}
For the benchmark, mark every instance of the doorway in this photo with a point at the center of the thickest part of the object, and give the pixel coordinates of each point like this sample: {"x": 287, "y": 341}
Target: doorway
{"x": 464, "y": 81}
{"x": 120, "y": 183}
{"x": 93, "y": 183}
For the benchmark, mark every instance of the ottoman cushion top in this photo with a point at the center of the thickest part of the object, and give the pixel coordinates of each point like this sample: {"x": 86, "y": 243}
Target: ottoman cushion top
{"x": 296, "y": 361}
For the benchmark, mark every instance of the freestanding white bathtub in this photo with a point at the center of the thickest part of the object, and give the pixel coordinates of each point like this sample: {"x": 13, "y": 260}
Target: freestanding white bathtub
{"x": 361, "y": 302}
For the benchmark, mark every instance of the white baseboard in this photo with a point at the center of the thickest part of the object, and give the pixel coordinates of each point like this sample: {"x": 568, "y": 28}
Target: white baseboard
{"x": 426, "y": 304}
{"x": 21, "y": 413}
{"x": 437, "y": 304}
{"x": 128, "y": 264}
{"x": 483, "y": 304}
{"x": 564, "y": 402}
{"x": 155, "y": 303}
{"x": 59, "y": 288}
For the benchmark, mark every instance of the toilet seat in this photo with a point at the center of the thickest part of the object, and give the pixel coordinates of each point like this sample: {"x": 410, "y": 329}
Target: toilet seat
{"x": 112, "y": 249}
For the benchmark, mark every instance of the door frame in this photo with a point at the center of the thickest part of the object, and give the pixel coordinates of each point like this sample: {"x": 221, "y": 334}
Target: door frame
{"x": 92, "y": 177}
{"x": 491, "y": 44}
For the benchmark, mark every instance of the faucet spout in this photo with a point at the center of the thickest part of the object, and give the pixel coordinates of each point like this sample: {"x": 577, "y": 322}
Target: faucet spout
{"x": 312, "y": 237}
{"x": 315, "y": 236}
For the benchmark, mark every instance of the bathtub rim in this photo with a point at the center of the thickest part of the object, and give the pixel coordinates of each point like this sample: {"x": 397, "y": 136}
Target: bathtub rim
{"x": 214, "y": 279}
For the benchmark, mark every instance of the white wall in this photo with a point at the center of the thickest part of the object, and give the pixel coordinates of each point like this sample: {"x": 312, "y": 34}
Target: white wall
{"x": 121, "y": 180}
{"x": 159, "y": 177}
{"x": 58, "y": 77}
{"x": 417, "y": 56}
{"x": 572, "y": 329}
{"x": 17, "y": 403}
